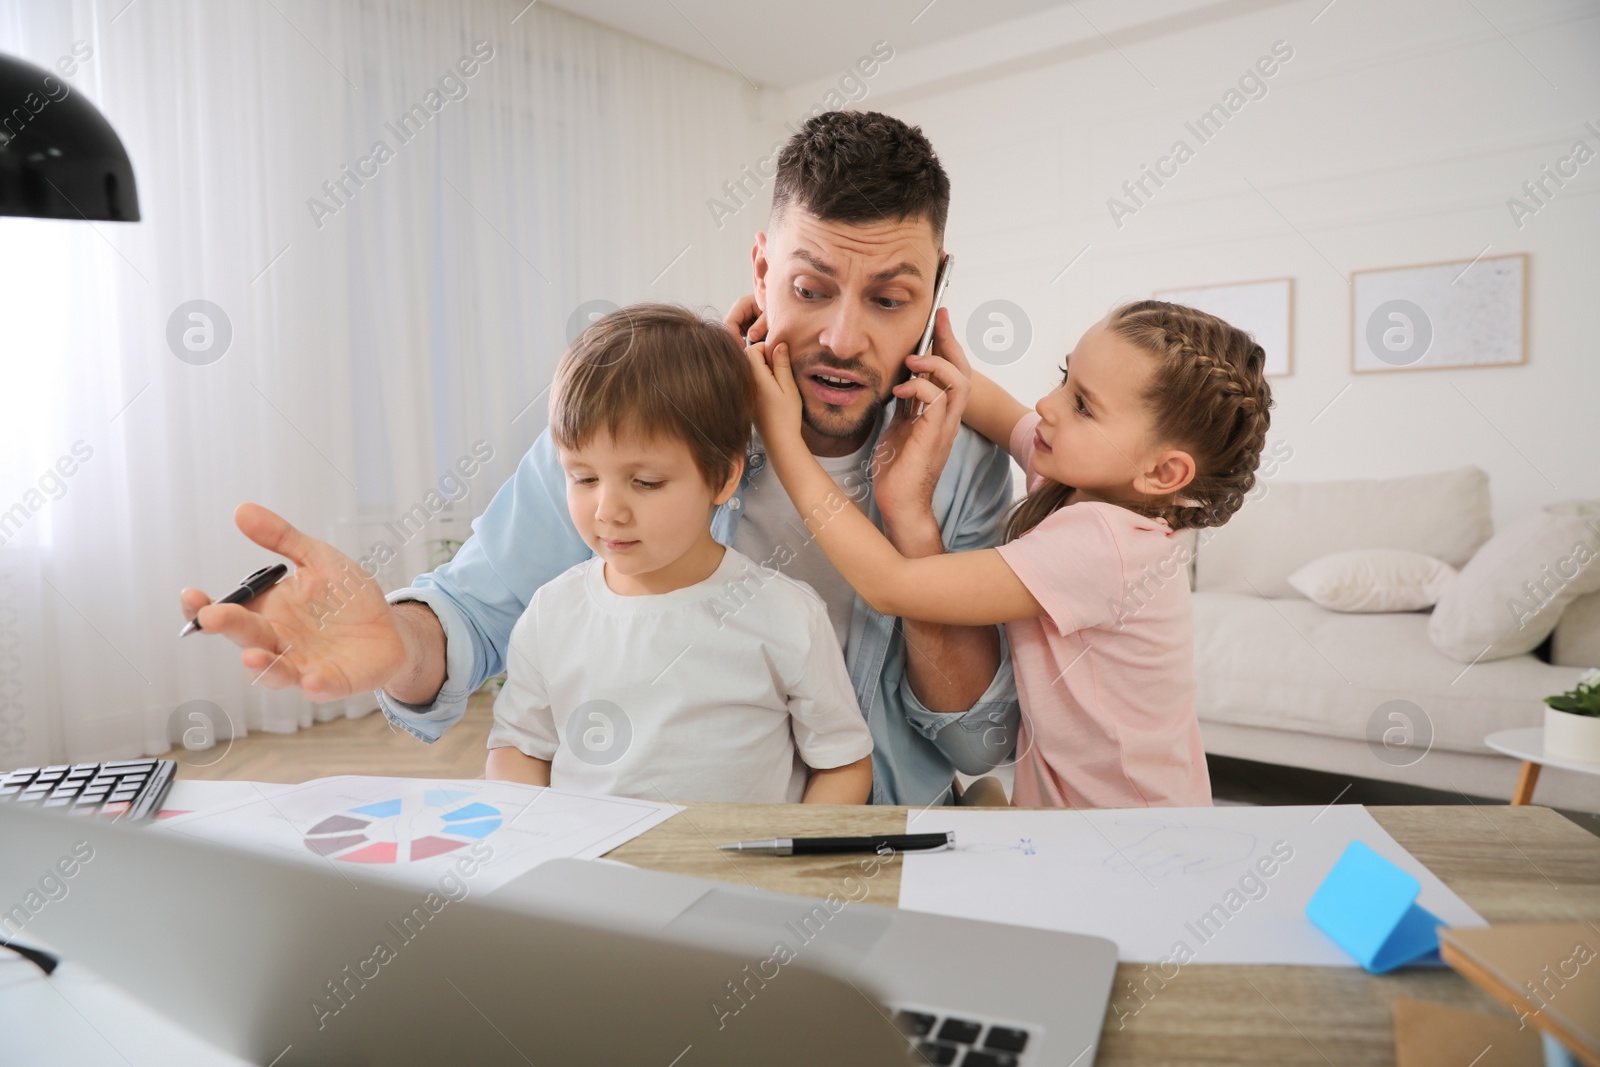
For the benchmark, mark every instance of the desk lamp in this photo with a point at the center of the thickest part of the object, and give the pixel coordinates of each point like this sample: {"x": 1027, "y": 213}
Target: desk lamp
{"x": 59, "y": 159}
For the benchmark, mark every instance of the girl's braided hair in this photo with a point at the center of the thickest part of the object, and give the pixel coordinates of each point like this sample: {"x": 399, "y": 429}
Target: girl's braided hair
{"x": 1210, "y": 397}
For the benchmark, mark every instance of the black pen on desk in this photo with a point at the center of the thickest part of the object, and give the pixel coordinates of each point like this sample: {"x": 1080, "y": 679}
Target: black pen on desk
{"x": 816, "y": 846}
{"x": 248, "y": 590}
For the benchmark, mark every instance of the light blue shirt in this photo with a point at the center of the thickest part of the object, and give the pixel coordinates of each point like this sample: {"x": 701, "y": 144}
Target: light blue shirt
{"x": 525, "y": 537}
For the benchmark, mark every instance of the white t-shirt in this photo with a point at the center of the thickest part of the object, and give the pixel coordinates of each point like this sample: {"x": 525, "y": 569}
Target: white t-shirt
{"x": 771, "y": 523}
{"x": 727, "y": 689}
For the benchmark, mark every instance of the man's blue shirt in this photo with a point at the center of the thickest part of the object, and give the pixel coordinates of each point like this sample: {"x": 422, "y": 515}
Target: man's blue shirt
{"x": 525, "y": 537}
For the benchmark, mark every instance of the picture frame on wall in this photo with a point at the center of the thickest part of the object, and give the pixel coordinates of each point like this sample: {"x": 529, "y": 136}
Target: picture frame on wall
{"x": 1440, "y": 316}
{"x": 1264, "y": 309}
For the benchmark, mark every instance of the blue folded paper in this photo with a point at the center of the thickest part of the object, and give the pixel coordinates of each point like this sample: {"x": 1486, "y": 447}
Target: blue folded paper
{"x": 1368, "y": 906}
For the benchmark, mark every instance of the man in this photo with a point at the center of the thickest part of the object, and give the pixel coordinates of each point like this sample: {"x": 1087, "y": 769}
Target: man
{"x": 845, "y": 277}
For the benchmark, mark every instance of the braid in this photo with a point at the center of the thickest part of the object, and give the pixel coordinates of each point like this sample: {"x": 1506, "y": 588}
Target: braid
{"x": 1210, "y": 397}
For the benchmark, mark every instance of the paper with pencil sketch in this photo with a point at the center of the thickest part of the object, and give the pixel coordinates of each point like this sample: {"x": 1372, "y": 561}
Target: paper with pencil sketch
{"x": 1169, "y": 885}
{"x": 416, "y": 830}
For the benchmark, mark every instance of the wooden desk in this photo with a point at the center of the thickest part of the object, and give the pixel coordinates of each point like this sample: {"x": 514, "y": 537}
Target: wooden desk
{"x": 1523, "y": 864}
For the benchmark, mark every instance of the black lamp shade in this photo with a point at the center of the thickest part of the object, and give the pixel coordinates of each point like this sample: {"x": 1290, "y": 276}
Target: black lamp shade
{"x": 59, "y": 157}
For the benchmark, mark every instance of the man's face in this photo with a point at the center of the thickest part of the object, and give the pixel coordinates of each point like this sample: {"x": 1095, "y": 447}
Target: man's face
{"x": 850, "y": 300}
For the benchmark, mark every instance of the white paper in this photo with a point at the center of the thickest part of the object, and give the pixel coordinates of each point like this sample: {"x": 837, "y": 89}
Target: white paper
{"x": 1169, "y": 885}
{"x": 193, "y": 794}
{"x": 415, "y": 830}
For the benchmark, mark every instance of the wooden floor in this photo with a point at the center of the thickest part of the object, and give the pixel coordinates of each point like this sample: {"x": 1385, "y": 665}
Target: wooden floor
{"x": 368, "y": 745}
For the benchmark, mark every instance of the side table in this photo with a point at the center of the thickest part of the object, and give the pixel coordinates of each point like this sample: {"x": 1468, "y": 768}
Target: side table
{"x": 1527, "y": 744}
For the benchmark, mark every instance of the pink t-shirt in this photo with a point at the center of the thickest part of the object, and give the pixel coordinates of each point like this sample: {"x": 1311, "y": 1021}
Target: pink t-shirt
{"x": 1106, "y": 675}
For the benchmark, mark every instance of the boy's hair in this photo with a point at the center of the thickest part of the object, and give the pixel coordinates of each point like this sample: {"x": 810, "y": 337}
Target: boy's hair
{"x": 862, "y": 166}
{"x": 658, "y": 370}
{"x": 1210, "y": 397}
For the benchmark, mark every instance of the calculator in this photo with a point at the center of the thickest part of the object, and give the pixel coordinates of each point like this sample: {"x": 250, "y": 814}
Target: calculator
{"x": 124, "y": 790}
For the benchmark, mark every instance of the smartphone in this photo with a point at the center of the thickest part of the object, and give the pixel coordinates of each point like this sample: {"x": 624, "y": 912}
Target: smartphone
{"x": 941, "y": 283}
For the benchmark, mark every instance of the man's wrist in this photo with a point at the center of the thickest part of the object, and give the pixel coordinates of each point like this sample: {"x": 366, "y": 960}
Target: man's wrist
{"x": 914, "y": 536}
{"x": 421, "y": 633}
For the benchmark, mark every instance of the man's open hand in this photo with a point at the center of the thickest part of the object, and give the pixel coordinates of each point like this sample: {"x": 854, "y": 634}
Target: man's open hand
{"x": 325, "y": 628}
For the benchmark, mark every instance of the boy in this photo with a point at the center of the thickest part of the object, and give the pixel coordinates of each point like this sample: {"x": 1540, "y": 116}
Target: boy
{"x": 668, "y": 667}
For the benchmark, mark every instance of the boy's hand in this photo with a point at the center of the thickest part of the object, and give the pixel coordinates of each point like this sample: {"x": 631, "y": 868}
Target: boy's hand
{"x": 850, "y": 784}
{"x": 507, "y": 764}
{"x": 778, "y": 402}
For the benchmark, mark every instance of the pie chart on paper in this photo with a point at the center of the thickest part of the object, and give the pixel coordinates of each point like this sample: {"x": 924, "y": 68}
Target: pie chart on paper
{"x": 401, "y": 830}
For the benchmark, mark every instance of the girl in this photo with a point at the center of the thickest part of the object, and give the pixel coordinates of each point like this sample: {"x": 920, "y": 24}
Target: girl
{"x": 1156, "y": 428}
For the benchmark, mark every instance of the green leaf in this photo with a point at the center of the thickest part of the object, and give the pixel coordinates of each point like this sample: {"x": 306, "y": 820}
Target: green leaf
{"x": 1568, "y": 703}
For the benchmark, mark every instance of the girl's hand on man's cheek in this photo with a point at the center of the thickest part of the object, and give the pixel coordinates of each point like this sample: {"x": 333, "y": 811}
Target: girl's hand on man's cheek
{"x": 778, "y": 402}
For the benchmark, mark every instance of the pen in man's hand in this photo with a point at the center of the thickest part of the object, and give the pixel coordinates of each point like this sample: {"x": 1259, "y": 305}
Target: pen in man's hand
{"x": 248, "y": 590}
{"x": 813, "y": 846}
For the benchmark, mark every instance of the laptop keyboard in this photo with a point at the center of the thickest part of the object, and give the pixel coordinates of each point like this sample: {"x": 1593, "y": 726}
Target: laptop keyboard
{"x": 943, "y": 1040}
{"x": 123, "y": 789}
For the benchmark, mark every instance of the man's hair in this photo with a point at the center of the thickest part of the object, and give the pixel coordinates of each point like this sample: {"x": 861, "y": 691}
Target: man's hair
{"x": 657, "y": 370}
{"x": 862, "y": 166}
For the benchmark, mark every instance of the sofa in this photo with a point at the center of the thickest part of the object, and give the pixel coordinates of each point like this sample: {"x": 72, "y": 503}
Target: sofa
{"x": 1281, "y": 680}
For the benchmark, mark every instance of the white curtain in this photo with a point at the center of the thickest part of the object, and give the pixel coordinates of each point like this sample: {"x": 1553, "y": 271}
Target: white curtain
{"x": 380, "y": 334}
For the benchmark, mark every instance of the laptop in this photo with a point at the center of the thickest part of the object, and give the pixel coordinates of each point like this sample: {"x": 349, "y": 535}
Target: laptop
{"x": 574, "y": 962}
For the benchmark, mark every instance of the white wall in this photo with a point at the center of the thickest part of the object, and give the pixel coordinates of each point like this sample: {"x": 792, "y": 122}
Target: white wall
{"x": 1393, "y": 136}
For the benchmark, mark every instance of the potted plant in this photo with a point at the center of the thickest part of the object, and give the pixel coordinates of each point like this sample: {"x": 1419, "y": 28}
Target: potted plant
{"x": 1572, "y": 721}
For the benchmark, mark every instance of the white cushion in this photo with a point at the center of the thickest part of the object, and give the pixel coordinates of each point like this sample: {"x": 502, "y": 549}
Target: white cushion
{"x": 1577, "y": 640}
{"x": 1509, "y": 596}
{"x": 1291, "y": 665}
{"x": 1373, "y": 579}
{"x": 1444, "y": 515}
